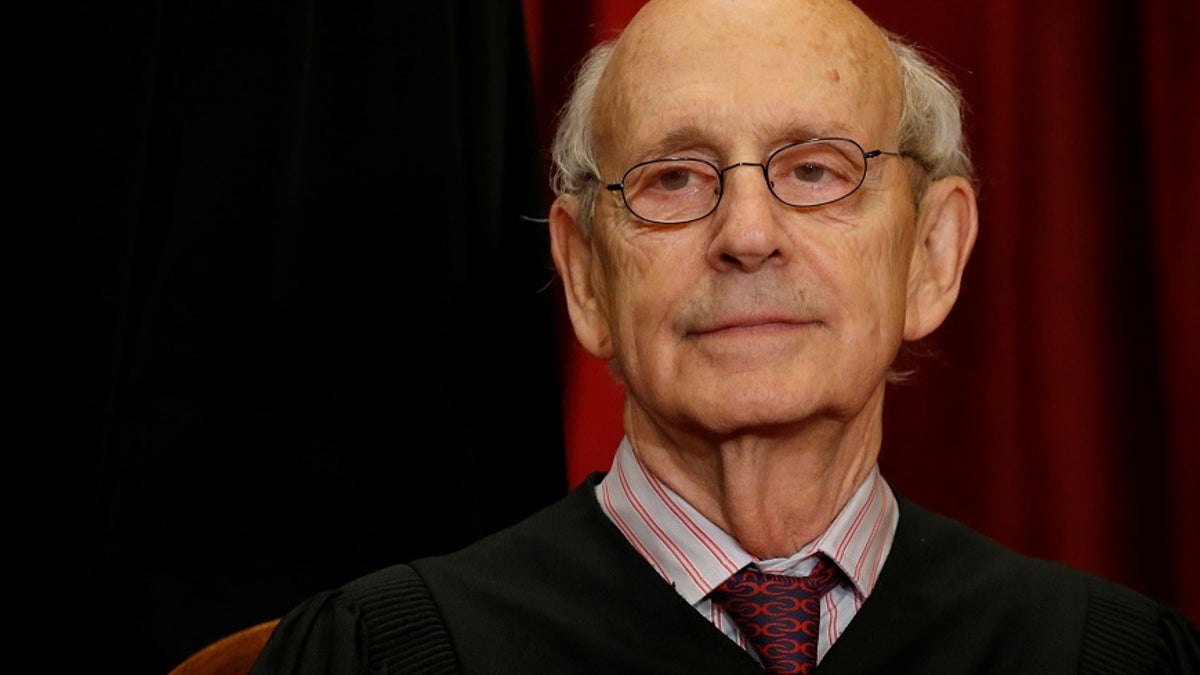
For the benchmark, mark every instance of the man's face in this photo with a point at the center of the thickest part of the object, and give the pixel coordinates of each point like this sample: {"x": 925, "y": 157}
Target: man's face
{"x": 760, "y": 316}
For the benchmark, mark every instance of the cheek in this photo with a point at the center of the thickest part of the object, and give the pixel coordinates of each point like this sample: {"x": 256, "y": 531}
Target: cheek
{"x": 650, "y": 276}
{"x": 885, "y": 268}
{"x": 866, "y": 272}
{"x": 634, "y": 290}
{"x": 886, "y": 274}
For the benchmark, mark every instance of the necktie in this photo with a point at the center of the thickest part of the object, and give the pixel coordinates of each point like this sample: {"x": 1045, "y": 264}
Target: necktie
{"x": 779, "y": 615}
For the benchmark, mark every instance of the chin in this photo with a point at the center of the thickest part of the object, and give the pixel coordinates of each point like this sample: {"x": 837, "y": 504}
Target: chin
{"x": 741, "y": 415}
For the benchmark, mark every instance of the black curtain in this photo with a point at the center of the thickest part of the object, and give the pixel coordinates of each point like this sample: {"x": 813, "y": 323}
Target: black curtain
{"x": 283, "y": 310}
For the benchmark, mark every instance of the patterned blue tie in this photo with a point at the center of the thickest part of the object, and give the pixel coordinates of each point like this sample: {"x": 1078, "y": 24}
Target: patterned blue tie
{"x": 780, "y": 615}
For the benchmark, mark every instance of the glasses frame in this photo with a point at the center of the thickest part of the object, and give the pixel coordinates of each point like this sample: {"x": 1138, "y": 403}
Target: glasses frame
{"x": 867, "y": 155}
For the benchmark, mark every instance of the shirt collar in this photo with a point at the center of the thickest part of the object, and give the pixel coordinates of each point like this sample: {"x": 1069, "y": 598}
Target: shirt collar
{"x": 695, "y": 556}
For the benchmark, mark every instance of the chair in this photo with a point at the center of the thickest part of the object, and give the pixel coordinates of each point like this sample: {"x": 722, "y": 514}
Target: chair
{"x": 230, "y": 655}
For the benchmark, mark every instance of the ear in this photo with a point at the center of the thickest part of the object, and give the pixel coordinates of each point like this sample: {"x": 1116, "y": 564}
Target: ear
{"x": 577, "y": 266}
{"x": 947, "y": 223}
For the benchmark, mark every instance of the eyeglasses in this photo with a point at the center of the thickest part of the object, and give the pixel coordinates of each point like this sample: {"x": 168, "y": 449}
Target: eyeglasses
{"x": 678, "y": 190}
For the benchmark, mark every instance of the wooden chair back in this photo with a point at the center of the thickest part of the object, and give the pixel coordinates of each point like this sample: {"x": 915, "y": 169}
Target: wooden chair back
{"x": 230, "y": 655}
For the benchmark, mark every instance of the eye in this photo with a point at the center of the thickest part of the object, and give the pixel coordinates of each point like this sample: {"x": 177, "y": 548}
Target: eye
{"x": 810, "y": 172}
{"x": 672, "y": 175}
{"x": 670, "y": 178}
{"x": 675, "y": 178}
{"x": 816, "y": 172}
{"x": 675, "y": 190}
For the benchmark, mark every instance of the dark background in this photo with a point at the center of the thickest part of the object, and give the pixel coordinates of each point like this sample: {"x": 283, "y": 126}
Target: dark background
{"x": 282, "y": 315}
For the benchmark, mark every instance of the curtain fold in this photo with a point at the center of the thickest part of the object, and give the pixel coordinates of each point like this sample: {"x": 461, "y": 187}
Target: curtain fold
{"x": 282, "y": 312}
{"x": 1171, "y": 101}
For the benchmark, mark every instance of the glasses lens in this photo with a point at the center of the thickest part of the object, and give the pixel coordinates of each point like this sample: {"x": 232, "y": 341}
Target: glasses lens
{"x": 816, "y": 172}
{"x": 672, "y": 190}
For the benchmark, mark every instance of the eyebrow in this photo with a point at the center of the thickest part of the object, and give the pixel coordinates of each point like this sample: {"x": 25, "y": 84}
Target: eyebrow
{"x": 693, "y": 136}
{"x": 805, "y": 132}
{"x": 670, "y": 144}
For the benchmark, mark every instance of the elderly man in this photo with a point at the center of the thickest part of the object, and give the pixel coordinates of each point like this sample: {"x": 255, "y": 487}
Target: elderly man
{"x": 759, "y": 203}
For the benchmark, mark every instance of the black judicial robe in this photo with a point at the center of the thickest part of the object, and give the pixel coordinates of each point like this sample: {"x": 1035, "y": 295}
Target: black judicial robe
{"x": 564, "y": 592}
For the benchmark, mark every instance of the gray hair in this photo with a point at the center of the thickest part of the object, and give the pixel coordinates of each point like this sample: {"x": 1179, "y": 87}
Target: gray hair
{"x": 575, "y": 171}
{"x": 930, "y": 128}
{"x": 931, "y": 117}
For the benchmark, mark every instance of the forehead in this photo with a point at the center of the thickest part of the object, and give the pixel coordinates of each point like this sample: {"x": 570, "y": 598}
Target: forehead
{"x": 725, "y": 72}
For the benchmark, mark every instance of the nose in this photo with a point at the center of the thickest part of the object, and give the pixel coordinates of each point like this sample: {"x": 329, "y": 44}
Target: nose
{"x": 748, "y": 234}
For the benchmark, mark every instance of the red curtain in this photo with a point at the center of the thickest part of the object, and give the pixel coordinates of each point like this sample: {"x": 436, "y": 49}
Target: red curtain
{"x": 1059, "y": 412}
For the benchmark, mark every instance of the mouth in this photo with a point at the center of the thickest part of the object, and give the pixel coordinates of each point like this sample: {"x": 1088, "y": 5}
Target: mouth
{"x": 751, "y": 326}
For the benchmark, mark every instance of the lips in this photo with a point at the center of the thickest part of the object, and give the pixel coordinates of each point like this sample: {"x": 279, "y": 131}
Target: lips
{"x": 749, "y": 324}
{"x": 733, "y": 309}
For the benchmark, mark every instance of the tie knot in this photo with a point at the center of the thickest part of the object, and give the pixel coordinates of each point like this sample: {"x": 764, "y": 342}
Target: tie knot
{"x": 751, "y": 583}
{"x": 780, "y": 615}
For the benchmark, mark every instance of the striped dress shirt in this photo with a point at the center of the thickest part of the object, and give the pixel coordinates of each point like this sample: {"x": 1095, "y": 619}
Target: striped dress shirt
{"x": 695, "y": 556}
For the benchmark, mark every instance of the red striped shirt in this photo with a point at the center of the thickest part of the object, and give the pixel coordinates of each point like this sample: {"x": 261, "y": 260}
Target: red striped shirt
{"x": 695, "y": 556}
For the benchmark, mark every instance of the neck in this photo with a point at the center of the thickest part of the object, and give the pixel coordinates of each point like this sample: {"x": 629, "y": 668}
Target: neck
{"x": 774, "y": 491}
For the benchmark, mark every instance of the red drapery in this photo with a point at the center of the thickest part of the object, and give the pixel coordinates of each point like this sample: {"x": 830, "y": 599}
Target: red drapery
{"x": 1060, "y": 413}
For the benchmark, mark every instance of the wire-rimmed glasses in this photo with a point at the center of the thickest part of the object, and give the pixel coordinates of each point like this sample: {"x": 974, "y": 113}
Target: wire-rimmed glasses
{"x": 677, "y": 190}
